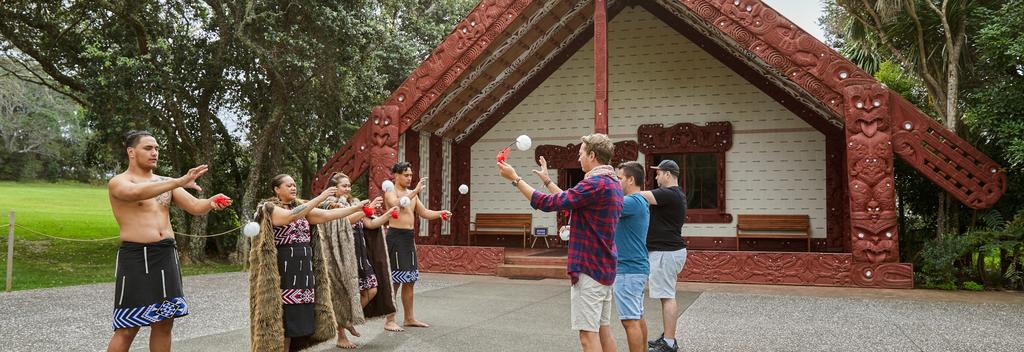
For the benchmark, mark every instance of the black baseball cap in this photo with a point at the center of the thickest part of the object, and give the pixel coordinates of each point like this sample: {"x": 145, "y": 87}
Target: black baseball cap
{"x": 668, "y": 165}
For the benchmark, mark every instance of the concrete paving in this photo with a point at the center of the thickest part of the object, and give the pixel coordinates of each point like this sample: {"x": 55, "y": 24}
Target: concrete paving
{"x": 472, "y": 313}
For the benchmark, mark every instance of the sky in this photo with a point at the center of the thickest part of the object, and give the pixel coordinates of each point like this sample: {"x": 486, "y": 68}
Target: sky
{"x": 804, "y": 13}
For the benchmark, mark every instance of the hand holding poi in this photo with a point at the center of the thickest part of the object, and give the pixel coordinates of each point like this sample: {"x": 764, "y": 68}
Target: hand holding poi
{"x": 220, "y": 201}
{"x": 507, "y": 171}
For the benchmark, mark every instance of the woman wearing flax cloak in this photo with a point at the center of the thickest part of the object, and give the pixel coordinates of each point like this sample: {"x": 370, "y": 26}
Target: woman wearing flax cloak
{"x": 289, "y": 294}
{"x": 353, "y": 280}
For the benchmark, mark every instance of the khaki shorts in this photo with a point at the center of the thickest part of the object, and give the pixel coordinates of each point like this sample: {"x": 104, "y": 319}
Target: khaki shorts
{"x": 665, "y": 269}
{"x": 590, "y": 304}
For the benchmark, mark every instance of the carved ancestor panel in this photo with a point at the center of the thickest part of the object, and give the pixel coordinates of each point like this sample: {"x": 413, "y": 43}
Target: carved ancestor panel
{"x": 383, "y": 146}
{"x": 817, "y": 269}
{"x": 945, "y": 159}
{"x": 567, "y": 157}
{"x": 459, "y": 259}
{"x": 869, "y": 161}
{"x": 452, "y": 57}
{"x": 685, "y": 138}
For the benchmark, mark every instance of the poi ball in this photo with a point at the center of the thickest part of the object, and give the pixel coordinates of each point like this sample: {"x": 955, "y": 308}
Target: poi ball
{"x": 251, "y": 229}
{"x": 523, "y": 142}
{"x": 387, "y": 186}
{"x": 404, "y": 202}
{"x": 564, "y": 235}
{"x": 463, "y": 189}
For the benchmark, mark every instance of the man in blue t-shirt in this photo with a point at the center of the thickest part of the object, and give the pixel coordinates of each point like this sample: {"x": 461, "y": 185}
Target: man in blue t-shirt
{"x": 633, "y": 266}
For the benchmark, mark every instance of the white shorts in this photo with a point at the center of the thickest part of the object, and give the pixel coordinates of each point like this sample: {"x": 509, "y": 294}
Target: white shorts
{"x": 590, "y": 304}
{"x": 665, "y": 269}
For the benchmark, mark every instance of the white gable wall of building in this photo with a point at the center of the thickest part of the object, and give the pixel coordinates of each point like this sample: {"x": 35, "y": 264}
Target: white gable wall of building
{"x": 776, "y": 164}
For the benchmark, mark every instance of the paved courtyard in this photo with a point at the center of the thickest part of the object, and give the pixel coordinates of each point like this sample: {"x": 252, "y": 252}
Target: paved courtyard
{"x": 474, "y": 313}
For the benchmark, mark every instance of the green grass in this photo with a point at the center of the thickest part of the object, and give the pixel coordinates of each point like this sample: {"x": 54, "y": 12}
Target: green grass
{"x": 71, "y": 211}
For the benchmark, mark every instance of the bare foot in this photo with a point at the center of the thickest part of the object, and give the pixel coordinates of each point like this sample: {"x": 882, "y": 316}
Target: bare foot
{"x": 391, "y": 326}
{"x": 416, "y": 323}
{"x": 346, "y": 344}
{"x": 352, "y": 330}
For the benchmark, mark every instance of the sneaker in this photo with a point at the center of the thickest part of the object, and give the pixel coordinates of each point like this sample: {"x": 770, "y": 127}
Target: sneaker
{"x": 663, "y": 347}
{"x": 655, "y": 343}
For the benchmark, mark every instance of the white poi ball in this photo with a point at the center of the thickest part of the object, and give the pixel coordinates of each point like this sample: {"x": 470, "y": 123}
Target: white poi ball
{"x": 387, "y": 186}
{"x": 463, "y": 189}
{"x": 251, "y": 229}
{"x": 564, "y": 235}
{"x": 404, "y": 202}
{"x": 523, "y": 142}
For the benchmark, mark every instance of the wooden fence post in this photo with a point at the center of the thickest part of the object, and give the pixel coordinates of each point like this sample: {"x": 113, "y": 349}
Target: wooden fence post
{"x": 10, "y": 250}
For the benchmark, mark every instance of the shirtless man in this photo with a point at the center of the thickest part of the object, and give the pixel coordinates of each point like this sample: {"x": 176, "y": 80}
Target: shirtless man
{"x": 148, "y": 288}
{"x": 401, "y": 240}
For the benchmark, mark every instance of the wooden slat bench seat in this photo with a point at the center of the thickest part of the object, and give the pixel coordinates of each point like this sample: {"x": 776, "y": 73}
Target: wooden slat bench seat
{"x": 487, "y": 224}
{"x": 773, "y": 227}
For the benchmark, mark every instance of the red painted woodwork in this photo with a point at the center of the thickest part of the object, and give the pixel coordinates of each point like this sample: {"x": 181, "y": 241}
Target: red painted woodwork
{"x": 567, "y": 157}
{"x": 869, "y": 162}
{"x": 435, "y": 186}
{"x": 813, "y": 269}
{"x": 945, "y": 159}
{"x": 459, "y": 259}
{"x": 682, "y": 138}
{"x": 600, "y": 66}
{"x": 453, "y": 56}
{"x": 461, "y": 203}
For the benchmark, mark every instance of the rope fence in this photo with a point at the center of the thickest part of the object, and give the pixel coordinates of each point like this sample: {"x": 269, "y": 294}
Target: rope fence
{"x": 10, "y": 240}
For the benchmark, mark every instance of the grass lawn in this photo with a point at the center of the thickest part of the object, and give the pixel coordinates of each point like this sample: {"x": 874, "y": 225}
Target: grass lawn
{"x": 65, "y": 210}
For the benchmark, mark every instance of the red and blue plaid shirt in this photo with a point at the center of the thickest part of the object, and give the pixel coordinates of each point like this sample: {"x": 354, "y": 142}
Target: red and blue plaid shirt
{"x": 596, "y": 203}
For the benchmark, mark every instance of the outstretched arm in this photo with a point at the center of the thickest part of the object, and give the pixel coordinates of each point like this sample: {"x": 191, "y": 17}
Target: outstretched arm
{"x": 379, "y": 221}
{"x": 123, "y": 188}
{"x": 428, "y": 214}
{"x": 193, "y": 205}
{"x": 320, "y": 216}
{"x": 285, "y": 217}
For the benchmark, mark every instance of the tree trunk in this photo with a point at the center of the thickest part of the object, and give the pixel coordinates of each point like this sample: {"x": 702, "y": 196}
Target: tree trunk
{"x": 259, "y": 152}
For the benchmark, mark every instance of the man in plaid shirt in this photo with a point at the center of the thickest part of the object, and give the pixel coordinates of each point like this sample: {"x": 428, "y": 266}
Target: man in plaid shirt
{"x": 595, "y": 204}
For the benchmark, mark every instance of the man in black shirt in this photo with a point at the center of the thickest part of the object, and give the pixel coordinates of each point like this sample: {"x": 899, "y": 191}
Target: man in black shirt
{"x": 666, "y": 248}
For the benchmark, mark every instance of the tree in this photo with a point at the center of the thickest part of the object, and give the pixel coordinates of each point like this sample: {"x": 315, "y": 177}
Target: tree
{"x": 132, "y": 65}
{"x": 931, "y": 38}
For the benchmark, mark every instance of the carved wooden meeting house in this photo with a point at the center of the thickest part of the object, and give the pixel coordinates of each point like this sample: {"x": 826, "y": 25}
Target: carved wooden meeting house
{"x": 773, "y": 131}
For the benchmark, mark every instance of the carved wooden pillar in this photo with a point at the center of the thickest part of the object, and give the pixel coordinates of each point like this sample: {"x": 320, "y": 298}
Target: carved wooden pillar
{"x": 461, "y": 157}
{"x": 869, "y": 158}
{"x": 383, "y": 146}
{"x": 601, "y": 66}
{"x": 434, "y": 185}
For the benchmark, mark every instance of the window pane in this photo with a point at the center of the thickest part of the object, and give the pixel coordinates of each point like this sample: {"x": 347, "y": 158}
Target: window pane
{"x": 701, "y": 172}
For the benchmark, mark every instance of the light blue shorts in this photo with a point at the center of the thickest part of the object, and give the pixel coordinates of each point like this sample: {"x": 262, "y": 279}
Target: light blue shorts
{"x": 629, "y": 295}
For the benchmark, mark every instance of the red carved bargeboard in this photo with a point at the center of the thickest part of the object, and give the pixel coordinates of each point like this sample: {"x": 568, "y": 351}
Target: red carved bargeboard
{"x": 459, "y": 259}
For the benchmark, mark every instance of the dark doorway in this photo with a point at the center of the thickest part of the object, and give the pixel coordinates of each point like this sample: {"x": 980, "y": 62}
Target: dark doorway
{"x": 567, "y": 178}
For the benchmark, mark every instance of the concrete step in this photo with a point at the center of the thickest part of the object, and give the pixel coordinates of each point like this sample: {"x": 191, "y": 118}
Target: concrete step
{"x": 536, "y": 260}
{"x": 532, "y": 271}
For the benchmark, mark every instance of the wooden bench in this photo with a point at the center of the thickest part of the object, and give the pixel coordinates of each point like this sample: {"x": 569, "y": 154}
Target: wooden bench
{"x": 773, "y": 227}
{"x": 501, "y": 225}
